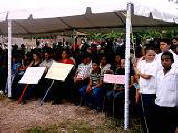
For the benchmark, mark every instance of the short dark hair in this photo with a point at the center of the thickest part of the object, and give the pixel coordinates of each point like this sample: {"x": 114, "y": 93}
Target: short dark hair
{"x": 35, "y": 51}
{"x": 96, "y": 61}
{"x": 85, "y": 55}
{"x": 169, "y": 54}
{"x": 166, "y": 40}
{"x": 176, "y": 38}
{"x": 149, "y": 48}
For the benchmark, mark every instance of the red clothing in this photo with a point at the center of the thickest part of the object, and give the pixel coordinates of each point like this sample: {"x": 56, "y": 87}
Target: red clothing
{"x": 75, "y": 46}
{"x": 67, "y": 61}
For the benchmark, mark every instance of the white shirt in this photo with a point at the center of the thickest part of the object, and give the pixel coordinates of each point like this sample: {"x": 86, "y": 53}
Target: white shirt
{"x": 147, "y": 86}
{"x": 167, "y": 88}
{"x": 83, "y": 71}
{"x": 105, "y": 68}
{"x": 175, "y": 64}
{"x": 47, "y": 63}
{"x": 176, "y": 71}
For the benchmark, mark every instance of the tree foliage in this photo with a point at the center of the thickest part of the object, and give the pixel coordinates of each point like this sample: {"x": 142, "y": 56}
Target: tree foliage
{"x": 143, "y": 35}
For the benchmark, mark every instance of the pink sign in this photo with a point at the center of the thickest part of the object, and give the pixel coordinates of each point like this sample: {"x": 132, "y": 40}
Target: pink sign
{"x": 115, "y": 79}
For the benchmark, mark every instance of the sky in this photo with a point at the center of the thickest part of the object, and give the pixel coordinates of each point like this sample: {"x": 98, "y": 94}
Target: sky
{"x": 21, "y": 4}
{"x": 55, "y": 8}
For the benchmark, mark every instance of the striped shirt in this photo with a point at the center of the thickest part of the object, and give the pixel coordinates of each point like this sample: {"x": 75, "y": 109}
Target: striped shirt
{"x": 95, "y": 77}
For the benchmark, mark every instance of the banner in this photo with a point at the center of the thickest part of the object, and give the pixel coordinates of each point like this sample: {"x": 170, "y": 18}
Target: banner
{"x": 59, "y": 71}
{"x": 115, "y": 79}
{"x": 32, "y": 75}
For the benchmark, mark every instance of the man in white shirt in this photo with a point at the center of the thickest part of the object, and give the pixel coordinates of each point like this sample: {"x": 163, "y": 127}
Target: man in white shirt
{"x": 166, "y": 96}
{"x": 44, "y": 82}
{"x": 165, "y": 45}
{"x": 48, "y": 61}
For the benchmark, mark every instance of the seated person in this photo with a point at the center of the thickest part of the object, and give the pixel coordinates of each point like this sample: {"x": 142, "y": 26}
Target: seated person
{"x": 63, "y": 90}
{"x": 48, "y": 61}
{"x": 105, "y": 66}
{"x": 81, "y": 77}
{"x": 117, "y": 92}
{"x": 83, "y": 70}
{"x": 66, "y": 58}
{"x": 92, "y": 93}
{"x": 18, "y": 88}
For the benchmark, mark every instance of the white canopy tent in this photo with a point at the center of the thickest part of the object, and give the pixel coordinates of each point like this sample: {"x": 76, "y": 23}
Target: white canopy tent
{"x": 73, "y": 15}
{"x": 79, "y": 22}
{"x": 102, "y": 14}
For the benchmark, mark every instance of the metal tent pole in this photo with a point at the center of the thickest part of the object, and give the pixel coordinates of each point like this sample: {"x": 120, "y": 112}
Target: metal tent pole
{"x": 127, "y": 66}
{"x": 9, "y": 56}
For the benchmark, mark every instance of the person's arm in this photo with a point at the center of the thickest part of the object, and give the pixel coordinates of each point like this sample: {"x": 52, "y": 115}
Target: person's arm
{"x": 145, "y": 76}
{"x": 89, "y": 87}
{"x": 30, "y": 64}
{"x": 137, "y": 95}
{"x": 99, "y": 84}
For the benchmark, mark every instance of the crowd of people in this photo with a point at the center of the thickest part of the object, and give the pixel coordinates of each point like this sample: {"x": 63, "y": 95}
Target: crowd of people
{"x": 153, "y": 78}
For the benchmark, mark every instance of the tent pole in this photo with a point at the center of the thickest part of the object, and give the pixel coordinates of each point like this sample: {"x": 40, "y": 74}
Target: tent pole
{"x": 9, "y": 56}
{"x": 127, "y": 66}
{"x": 74, "y": 39}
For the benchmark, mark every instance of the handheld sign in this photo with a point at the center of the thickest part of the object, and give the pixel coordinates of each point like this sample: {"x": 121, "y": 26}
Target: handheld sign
{"x": 32, "y": 75}
{"x": 59, "y": 71}
{"x": 115, "y": 79}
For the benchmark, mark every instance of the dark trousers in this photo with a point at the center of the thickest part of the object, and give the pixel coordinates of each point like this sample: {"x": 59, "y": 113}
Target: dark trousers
{"x": 75, "y": 90}
{"x": 166, "y": 119}
{"x": 3, "y": 78}
{"x": 147, "y": 112}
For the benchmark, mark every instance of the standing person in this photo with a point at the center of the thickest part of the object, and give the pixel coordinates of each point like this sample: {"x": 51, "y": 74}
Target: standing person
{"x": 147, "y": 74}
{"x": 175, "y": 49}
{"x": 165, "y": 45}
{"x": 167, "y": 95}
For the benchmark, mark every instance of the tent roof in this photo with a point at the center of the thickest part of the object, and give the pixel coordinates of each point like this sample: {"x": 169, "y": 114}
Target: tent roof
{"x": 102, "y": 14}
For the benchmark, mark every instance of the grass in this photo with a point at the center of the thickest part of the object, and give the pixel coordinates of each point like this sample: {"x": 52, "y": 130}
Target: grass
{"x": 109, "y": 125}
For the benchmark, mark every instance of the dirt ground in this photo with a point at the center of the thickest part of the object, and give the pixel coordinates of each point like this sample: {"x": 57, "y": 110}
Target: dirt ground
{"x": 16, "y": 118}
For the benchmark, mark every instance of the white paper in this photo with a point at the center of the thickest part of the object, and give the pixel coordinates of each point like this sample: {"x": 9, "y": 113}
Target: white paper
{"x": 32, "y": 75}
{"x": 59, "y": 71}
{"x": 115, "y": 79}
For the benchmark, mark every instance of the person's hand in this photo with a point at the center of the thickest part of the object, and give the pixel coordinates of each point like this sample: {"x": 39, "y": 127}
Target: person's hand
{"x": 143, "y": 58}
{"x": 109, "y": 71}
{"x": 77, "y": 79}
{"x": 88, "y": 90}
{"x": 138, "y": 73}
